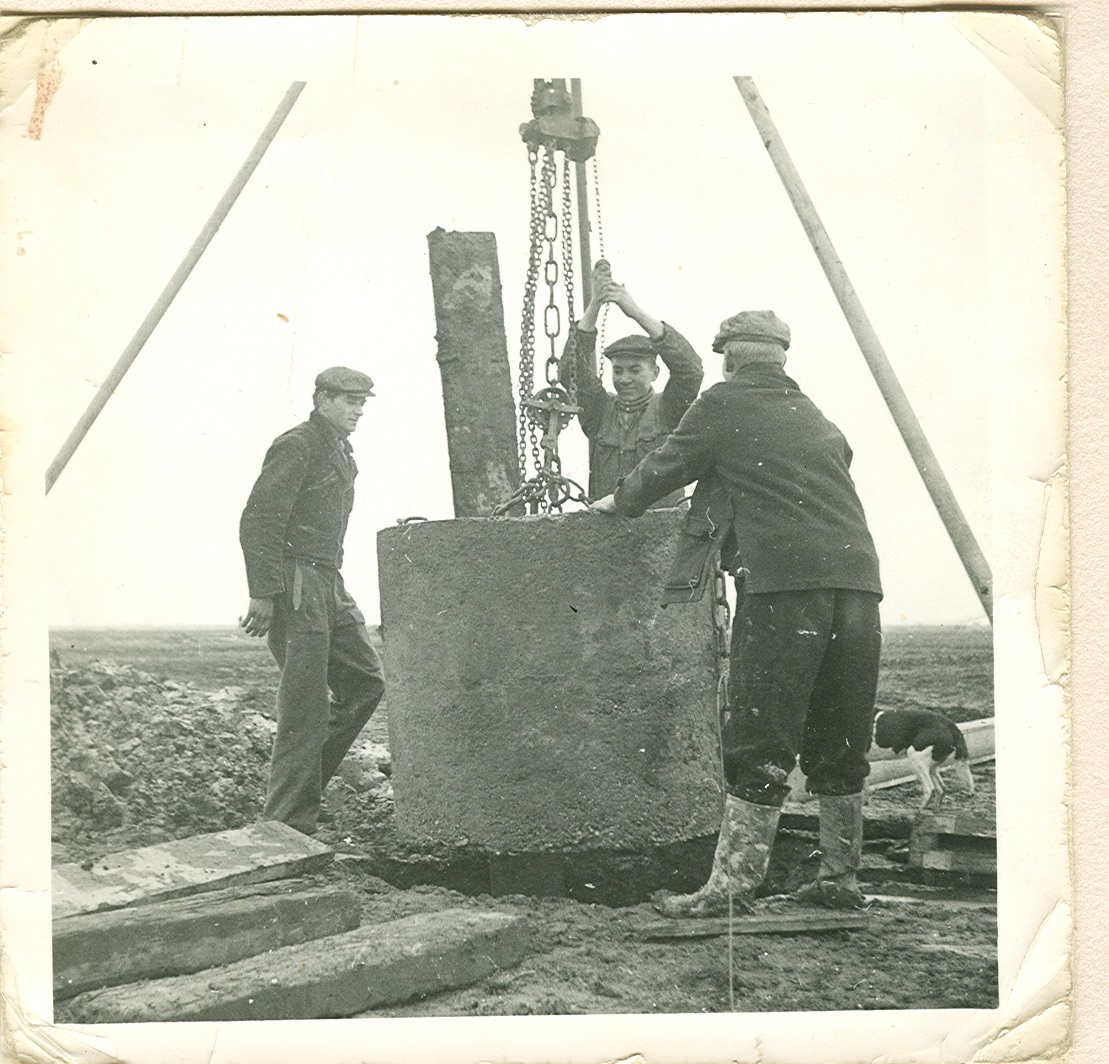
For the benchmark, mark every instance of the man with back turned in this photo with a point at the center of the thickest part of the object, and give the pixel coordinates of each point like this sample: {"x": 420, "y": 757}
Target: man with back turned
{"x": 773, "y": 487}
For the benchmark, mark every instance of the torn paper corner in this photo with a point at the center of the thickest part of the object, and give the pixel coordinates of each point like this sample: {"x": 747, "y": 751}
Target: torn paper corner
{"x": 29, "y": 1038}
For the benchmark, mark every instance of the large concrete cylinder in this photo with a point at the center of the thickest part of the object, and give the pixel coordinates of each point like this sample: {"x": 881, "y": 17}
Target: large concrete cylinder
{"x": 539, "y": 698}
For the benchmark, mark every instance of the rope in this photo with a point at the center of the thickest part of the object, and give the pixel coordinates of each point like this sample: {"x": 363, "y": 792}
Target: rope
{"x": 721, "y": 624}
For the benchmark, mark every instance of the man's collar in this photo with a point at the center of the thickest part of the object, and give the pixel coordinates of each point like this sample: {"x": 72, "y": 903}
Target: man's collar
{"x": 323, "y": 425}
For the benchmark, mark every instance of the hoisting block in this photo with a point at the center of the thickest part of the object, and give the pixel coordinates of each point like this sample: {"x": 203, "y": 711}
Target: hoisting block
{"x": 540, "y": 699}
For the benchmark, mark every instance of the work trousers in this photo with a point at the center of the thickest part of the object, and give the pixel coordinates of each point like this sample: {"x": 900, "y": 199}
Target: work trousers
{"x": 331, "y": 682}
{"x": 804, "y": 673}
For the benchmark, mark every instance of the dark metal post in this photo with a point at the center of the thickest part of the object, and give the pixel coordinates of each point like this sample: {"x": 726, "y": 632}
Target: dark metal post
{"x": 473, "y": 362}
{"x": 943, "y": 497}
{"x": 111, "y": 382}
{"x": 584, "y": 249}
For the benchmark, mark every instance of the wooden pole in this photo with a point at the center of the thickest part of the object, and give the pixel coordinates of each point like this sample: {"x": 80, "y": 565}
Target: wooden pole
{"x": 131, "y": 352}
{"x": 927, "y": 464}
{"x": 473, "y": 363}
{"x": 585, "y": 252}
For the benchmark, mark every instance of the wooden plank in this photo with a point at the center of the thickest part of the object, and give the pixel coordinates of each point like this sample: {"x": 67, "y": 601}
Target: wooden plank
{"x": 379, "y": 964}
{"x": 189, "y": 934}
{"x": 252, "y": 854}
{"x": 939, "y": 903}
{"x": 961, "y": 861}
{"x": 801, "y": 922}
{"x": 940, "y": 824}
{"x": 473, "y": 363}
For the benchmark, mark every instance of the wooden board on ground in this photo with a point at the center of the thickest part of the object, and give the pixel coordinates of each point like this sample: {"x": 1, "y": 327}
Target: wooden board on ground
{"x": 801, "y": 922}
{"x": 189, "y": 934}
{"x": 954, "y": 844}
{"x": 981, "y": 864}
{"x": 379, "y": 964}
{"x": 940, "y": 903}
{"x": 941, "y": 824}
{"x": 252, "y": 854}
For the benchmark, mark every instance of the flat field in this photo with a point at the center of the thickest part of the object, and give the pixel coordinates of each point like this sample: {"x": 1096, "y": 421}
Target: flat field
{"x": 162, "y": 733}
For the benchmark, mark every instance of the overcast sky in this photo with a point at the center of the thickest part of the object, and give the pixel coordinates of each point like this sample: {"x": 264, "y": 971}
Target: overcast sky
{"x": 935, "y": 169}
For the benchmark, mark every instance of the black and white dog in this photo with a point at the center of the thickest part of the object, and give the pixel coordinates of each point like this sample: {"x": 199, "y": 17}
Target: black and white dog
{"x": 930, "y": 742}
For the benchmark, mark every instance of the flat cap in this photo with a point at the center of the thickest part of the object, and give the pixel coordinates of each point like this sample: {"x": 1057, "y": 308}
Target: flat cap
{"x": 341, "y": 379}
{"x": 631, "y": 347}
{"x": 760, "y": 326}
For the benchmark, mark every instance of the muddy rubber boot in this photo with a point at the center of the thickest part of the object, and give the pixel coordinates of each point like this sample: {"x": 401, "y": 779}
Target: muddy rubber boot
{"x": 738, "y": 867}
{"x": 841, "y": 853}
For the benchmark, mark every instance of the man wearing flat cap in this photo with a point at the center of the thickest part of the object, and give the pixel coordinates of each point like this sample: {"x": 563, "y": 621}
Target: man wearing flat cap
{"x": 292, "y": 538}
{"x": 775, "y": 496}
{"x": 625, "y": 427}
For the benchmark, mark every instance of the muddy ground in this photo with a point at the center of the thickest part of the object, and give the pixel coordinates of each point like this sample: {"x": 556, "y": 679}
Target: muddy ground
{"x": 160, "y": 735}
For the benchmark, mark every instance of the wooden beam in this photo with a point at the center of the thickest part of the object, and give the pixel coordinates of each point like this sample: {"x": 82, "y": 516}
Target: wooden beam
{"x": 377, "y": 965}
{"x": 253, "y": 854}
{"x": 801, "y": 922}
{"x": 473, "y": 363}
{"x": 974, "y": 562}
{"x": 169, "y": 293}
{"x": 186, "y": 935}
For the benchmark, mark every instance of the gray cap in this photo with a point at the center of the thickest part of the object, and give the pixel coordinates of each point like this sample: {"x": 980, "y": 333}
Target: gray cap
{"x": 341, "y": 379}
{"x": 633, "y": 346}
{"x": 761, "y": 326}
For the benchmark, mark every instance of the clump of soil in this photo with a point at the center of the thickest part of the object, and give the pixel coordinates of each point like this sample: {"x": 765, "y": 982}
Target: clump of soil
{"x": 136, "y": 759}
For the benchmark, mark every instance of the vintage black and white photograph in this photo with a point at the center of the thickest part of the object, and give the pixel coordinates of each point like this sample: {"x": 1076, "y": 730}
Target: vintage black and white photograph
{"x": 541, "y": 518}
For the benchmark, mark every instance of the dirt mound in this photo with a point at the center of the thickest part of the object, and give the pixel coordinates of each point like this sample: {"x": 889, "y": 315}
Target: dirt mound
{"x": 138, "y": 759}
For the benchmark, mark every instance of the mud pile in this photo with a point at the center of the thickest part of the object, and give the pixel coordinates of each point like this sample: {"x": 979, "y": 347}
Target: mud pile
{"x": 137, "y": 759}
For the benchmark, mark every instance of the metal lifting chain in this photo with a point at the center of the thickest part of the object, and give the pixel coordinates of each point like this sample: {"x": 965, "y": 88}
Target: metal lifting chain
{"x": 600, "y": 255}
{"x": 552, "y": 407}
{"x": 548, "y": 233}
{"x": 554, "y": 128}
{"x": 570, "y": 353}
{"x": 552, "y": 318}
{"x": 527, "y": 321}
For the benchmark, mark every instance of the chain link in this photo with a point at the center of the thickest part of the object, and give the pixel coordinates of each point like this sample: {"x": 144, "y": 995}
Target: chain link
{"x": 540, "y": 211}
{"x": 568, "y": 281}
{"x": 548, "y": 489}
{"x": 600, "y": 255}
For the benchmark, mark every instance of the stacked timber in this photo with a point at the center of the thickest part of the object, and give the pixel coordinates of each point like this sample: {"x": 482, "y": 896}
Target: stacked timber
{"x": 231, "y": 926}
{"x": 954, "y": 844}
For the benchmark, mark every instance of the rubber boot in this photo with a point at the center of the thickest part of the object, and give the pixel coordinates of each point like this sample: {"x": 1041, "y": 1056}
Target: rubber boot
{"x": 738, "y": 867}
{"x": 841, "y": 853}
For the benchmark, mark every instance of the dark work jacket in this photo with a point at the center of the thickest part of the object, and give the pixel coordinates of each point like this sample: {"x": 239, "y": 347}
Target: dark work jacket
{"x": 773, "y": 490}
{"x": 617, "y": 443}
{"x": 299, "y": 506}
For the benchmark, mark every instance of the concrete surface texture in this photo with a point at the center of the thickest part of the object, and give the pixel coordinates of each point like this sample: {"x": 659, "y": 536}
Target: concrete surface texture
{"x": 539, "y": 697}
{"x": 341, "y": 975}
{"x": 190, "y": 934}
{"x": 254, "y": 854}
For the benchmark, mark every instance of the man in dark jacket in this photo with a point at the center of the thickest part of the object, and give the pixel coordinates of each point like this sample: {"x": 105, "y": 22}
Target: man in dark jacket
{"x": 775, "y": 495}
{"x": 624, "y": 428}
{"x": 292, "y": 534}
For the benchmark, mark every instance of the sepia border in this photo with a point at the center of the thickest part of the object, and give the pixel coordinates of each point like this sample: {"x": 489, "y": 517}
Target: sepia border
{"x": 1086, "y": 42}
